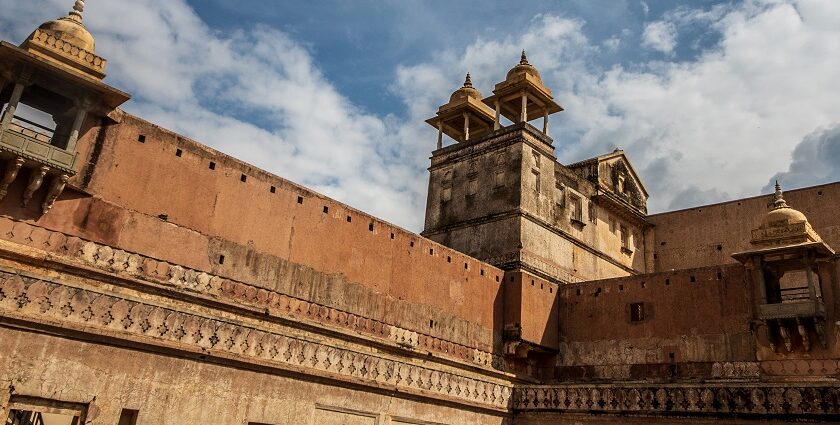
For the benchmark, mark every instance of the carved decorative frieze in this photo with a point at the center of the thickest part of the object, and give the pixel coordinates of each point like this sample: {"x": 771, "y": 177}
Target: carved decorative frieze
{"x": 728, "y": 399}
{"x": 38, "y": 300}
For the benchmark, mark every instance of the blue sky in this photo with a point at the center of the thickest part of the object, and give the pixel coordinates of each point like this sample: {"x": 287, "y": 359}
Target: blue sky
{"x": 711, "y": 100}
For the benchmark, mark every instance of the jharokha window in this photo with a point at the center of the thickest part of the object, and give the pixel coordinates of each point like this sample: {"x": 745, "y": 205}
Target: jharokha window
{"x": 575, "y": 209}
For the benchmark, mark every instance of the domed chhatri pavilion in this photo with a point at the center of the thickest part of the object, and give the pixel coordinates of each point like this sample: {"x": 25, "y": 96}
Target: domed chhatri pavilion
{"x": 146, "y": 278}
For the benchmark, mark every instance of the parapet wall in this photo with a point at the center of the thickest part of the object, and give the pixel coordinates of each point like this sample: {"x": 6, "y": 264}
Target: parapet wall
{"x": 708, "y": 235}
{"x": 154, "y": 193}
{"x": 686, "y": 316}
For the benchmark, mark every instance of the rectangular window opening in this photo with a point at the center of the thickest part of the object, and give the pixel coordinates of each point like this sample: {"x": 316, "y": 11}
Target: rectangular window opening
{"x": 719, "y": 275}
{"x": 370, "y": 227}
{"x": 128, "y": 417}
{"x": 300, "y": 200}
{"x": 637, "y": 312}
{"x": 693, "y": 279}
{"x": 466, "y": 266}
{"x": 392, "y": 236}
{"x": 667, "y": 281}
{"x": 448, "y": 259}
{"x": 243, "y": 178}
{"x": 431, "y": 251}
{"x": 221, "y": 259}
{"x": 141, "y": 138}
{"x": 178, "y": 152}
{"x": 212, "y": 165}
{"x": 326, "y": 209}
{"x": 411, "y": 244}
{"x": 272, "y": 189}
{"x": 349, "y": 219}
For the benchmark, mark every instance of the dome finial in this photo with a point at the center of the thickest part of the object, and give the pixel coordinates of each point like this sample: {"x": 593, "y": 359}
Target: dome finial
{"x": 523, "y": 60}
{"x": 779, "y": 201}
{"x": 78, "y": 8}
{"x": 468, "y": 81}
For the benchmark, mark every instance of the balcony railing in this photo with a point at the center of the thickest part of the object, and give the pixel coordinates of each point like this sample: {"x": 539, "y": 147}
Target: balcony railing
{"x": 792, "y": 309}
{"x": 35, "y": 145}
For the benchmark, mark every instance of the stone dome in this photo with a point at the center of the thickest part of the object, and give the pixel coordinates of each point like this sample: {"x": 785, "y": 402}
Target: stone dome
{"x": 466, "y": 91}
{"x": 781, "y": 214}
{"x": 70, "y": 29}
{"x": 523, "y": 68}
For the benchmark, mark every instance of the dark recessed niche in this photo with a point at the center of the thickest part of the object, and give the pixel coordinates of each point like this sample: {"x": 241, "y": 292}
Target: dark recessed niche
{"x": 662, "y": 243}
{"x": 577, "y": 291}
{"x": 719, "y": 275}
{"x": 392, "y": 236}
{"x": 497, "y": 278}
{"x": 448, "y": 259}
{"x": 272, "y": 189}
{"x": 326, "y": 209}
{"x": 349, "y": 219}
{"x": 643, "y": 285}
{"x": 212, "y": 165}
{"x": 667, "y": 281}
{"x": 620, "y": 287}
{"x": 163, "y": 217}
{"x": 431, "y": 251}
{"x": 178, "y": 152}
{"x": 370, "y": 227}
{"x": 300, "y": 200}
{"x": 221, "y": 259}
{"x": 466, "y": 266}
{"x": 693, "y": 279}
{"x": 532, "y": 283}
{"x": 243, "y": 178}
{"x": 411, "y": 244}
{"x": 550, "y": 290}
{"x": 720, "y": 247}
{"x": 141, "y": 138}
{"x": 482, "y": 272}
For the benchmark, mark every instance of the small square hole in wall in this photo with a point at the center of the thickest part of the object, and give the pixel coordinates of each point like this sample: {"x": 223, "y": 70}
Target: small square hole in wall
{"x": 819, "y": 193}
{"x": 693, "y": 279}
{"x": 243, "y": 178}
{"x": 667, "y": 281}
{"x": 550, "y": 290}
{"x": 466, "y": 266}
{"x": 300, "y": 200}
{"x": 221, "y": 259}
{"x": 655, "y": 256}
{"x": 392, "y": 236}
{"x": 448, "y": 259}
{"x": 411, "y": 244}
{"x": 370, "y": 227}
{"x": 481, "y": 272}
{"x": 272, "y": 189}
{"x": 720, "y": 247}
{"x": 349, "y": 219}
{"x": 431, "y": 251}
{"x": 497, "y": 278}
{"x": 577, "y": 291}
{"x": 431, "y": 323}
{"x": 178, "y": 152}
{"x": 620, "y": 287}
{"x": 661, "y": 243}
{"x": 212, "y": 165}
{"x": 719, "y": 275}
{"x": 141, "y": 138}
{"x": 326, "y": 209}
{"x": 532, "y": 283}
{"x": 643, "y": 284}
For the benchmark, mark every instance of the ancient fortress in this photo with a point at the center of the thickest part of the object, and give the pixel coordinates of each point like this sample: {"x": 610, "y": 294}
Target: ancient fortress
{"x": 148, "y": 279}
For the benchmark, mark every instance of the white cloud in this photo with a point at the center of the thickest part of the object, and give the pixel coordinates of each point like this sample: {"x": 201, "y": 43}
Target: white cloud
{"x": 698, "y": 131}
{"x": 660, "y": 36}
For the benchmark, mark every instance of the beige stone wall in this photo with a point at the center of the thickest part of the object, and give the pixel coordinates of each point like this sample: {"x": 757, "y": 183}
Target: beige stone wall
{"x": 170, "y": 390}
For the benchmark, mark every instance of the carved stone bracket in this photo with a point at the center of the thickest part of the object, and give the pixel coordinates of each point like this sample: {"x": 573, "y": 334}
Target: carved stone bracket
{"x": 56, "y": 187}
{"x": 9, "y": 175}
{"x": 35, "y": 182}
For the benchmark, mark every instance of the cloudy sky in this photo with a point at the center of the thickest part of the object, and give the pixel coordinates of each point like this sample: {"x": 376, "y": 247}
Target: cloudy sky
{"x": 712, "y": 100}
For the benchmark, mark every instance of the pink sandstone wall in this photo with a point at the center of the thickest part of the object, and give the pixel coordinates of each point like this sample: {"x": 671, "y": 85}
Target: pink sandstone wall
{"x": 708, "y": 235}
{"x": 132, "y": 194}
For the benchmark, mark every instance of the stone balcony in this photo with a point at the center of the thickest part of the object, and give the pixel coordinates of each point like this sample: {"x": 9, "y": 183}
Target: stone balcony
{"x": 792, "y": 310}
{"x": 34, "y": 145}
